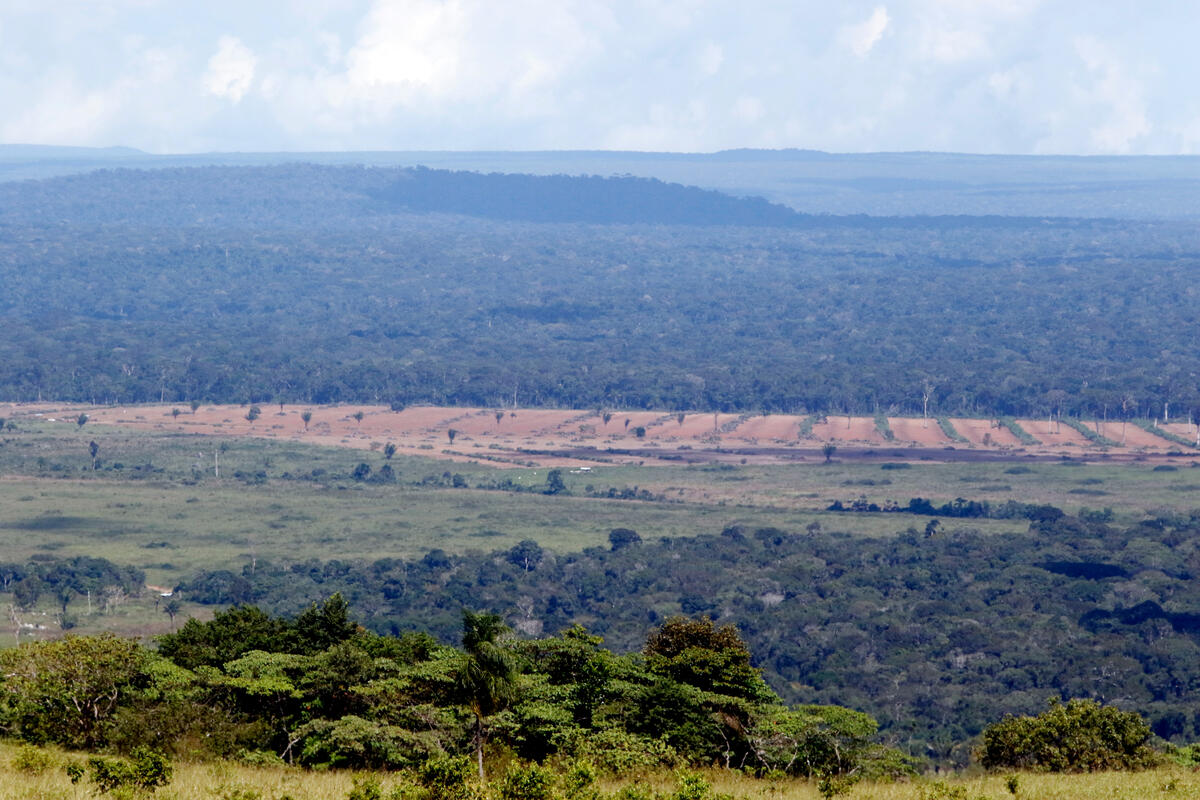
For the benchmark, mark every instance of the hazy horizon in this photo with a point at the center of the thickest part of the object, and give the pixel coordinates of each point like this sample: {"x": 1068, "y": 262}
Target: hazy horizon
{"x": 1026, "y": 77}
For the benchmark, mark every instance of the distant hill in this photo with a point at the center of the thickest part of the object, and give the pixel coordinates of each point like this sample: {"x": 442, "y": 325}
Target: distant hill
{"x": 307, "y": 195}
{"x": 564, "y": 198}
{"x": 807, "y": 181}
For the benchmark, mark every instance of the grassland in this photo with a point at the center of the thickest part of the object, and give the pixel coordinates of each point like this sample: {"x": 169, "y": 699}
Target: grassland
{"x": 156, "y": 502}
{"x": 230, "y": 780}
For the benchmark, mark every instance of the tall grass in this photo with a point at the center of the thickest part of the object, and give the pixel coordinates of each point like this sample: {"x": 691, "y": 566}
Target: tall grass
{"x": 223, "y": 780}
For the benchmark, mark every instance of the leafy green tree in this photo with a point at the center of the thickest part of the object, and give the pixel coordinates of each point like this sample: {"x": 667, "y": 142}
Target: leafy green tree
{"x": 817, "y": 741}
{"x": 1079, "y": 736}
{"x": 389, "y": 450}
{"x": 306, "y": 417}
{"x": 487, "y": 677}
{"x": 227, "y": 636}
{"x": 68, "y": 691}
{"x": 706, "y": 690}
{"x": 321, "y": 627}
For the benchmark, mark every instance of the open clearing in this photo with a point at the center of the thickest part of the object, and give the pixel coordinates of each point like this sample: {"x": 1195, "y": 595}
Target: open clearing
{"x": 580, "y": 438}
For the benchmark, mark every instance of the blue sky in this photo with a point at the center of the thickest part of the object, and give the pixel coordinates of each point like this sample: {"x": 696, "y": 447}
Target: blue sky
{"x": 985, "y": 76}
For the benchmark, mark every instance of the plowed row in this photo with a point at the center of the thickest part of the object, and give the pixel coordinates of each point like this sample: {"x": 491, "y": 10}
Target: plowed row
{"x": 577, "y": 437}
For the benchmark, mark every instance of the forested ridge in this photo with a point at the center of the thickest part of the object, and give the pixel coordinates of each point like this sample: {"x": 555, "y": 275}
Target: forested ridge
{"x": 312, "y": 284}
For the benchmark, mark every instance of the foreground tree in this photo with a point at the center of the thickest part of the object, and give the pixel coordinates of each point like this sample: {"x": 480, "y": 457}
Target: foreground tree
{"x": 487, "y": 674}
{"x": 68, "y": 691}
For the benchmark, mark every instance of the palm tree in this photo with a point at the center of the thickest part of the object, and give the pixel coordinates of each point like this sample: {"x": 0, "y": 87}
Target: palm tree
{"x": 487, "y": 677}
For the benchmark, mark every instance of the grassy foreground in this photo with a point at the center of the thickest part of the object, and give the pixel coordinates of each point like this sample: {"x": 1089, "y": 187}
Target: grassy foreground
{"x": 233, "y": 781}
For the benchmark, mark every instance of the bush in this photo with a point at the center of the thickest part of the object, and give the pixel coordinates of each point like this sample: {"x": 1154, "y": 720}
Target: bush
{"x": 32, "y": 760}
{"x": 618, "y": 752}
{"x": 145, "y": 769}
{"x": 1081, "y": 736}
{"x": 446, "y": 778}
{"x": 527, "y": 782}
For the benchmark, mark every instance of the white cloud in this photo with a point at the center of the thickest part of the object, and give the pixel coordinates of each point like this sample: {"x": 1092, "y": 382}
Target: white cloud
{"x": 712, "y": 56}
{"x": 948, "y": 46}
{"x": 862, "y": 37}
{"x": 230, "y": 70}
{"x": 1118, "y": 96}
{"x": 967, "y": 75}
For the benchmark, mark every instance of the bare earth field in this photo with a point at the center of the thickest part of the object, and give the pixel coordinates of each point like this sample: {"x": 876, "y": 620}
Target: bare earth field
{"x": 581, "y": 438}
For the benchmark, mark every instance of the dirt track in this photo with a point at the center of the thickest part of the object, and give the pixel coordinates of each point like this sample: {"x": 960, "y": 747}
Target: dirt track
{"x": 552, "y": 437}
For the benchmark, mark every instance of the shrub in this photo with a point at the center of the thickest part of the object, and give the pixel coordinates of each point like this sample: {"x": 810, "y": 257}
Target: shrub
{"x": 446, "y": 777}
{"x": 1080, "y": 736}
{"x": 527, "y": 782}
{"x": 618, "y": 752}
{"x": 32, "y": 760}
{"x": 145, "y": 769}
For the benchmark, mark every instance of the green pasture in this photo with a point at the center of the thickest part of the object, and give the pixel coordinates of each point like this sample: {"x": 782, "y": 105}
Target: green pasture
{"x": 155, "y": 502}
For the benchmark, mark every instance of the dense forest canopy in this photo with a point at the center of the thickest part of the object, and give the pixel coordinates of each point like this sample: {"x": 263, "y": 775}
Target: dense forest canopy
{"x": 310, "y": 284}
{"x": 935, "y": 634}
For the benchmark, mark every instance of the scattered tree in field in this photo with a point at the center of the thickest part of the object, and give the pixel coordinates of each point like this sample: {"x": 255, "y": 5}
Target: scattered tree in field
{"x": 1126, "y": 401}
{"x": 639, "y": 432}
{"x": 827, "y": 450}
{"x": 175, "y": 412}
{"x": 450, "y": 434}
{"x": 627, "y": 423}
{"x": 499, "y": 417}
{"x": 679, "y": 417}
{"x": 172, "y": 608}
{"x": 195, "y": 405}
{"x": 254, "y": 413}
{"x": 389, "y": 450}
{"x": 358, "y": 417}
{"x": 361, "y": 472}
{"x": 94, "y": 449}
{"x": 554, "y": 482}
{"x": 607, "y": 417}
{"x": 306, "y": 417}
{"x": 81, "y": 420}
{"x": 620, "y": 538}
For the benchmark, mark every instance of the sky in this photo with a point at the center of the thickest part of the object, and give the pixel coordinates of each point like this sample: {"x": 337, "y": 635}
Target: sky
{"x": 978, "y": 76}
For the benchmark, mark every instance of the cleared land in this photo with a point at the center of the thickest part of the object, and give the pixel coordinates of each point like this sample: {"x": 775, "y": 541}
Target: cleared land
{"x": 580, "y": 438}
{"x": 173, "y": 494}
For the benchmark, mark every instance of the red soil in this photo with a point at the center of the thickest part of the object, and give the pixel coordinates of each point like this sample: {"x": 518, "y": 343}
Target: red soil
{"x": 858, "y": 429}
{"x": 1134, "y": 437}
{"x": 975, "y": 431}
{"x": 915, "y": 430}
{"x": 1053, "y": 434}
{"x": 540, "y": 436}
